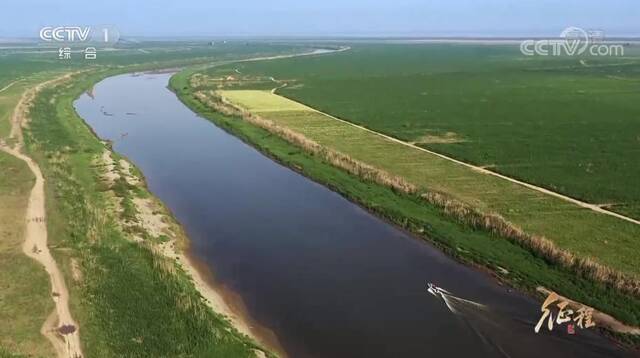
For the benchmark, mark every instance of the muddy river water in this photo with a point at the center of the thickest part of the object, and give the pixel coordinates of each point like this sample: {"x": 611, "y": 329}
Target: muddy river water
{"x": 325, "y": 276}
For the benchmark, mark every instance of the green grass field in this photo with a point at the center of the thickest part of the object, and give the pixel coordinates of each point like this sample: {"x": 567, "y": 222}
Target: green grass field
{"x": 568, "y": 124}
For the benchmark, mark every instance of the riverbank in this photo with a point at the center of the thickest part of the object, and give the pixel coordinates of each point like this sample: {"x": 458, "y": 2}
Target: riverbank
{"x": 119, "y": 280}
{"x": 226, "y": 303}
{"x": 508, "y": 261}
{"x": 150, "y": 222}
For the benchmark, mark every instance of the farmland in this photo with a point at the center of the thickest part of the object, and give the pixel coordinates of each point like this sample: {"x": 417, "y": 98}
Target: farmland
{"x": 567, "y": 124}
{"x": 375, "y": 86}
{"x": 542, "y": 121}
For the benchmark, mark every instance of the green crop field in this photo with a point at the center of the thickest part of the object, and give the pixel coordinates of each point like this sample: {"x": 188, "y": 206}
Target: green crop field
{"x": 569, "y": 124}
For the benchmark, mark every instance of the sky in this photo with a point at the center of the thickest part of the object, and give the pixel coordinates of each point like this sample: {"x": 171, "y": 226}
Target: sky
{"x": 162, "y": 18}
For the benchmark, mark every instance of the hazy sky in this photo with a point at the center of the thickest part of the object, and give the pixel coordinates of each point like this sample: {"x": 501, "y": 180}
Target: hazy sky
{"x": 323, "y": 17}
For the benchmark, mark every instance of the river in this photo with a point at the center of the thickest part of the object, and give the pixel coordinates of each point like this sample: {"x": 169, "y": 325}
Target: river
{"x": 325, "y": 276}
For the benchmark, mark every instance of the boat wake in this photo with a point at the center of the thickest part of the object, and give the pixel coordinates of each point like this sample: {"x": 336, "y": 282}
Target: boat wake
{"x": 510, "y": 334}
{"x": 452, "y": 301}
{"x": 472, "y": 313}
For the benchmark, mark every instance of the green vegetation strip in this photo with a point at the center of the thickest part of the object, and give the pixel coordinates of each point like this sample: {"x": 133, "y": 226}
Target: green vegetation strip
{"x": 131, "y": 301}
{"x": 523, "y": 268}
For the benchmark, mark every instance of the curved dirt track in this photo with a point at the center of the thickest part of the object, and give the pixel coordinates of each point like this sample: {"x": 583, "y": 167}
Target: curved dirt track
{"x": 60, "y": 327}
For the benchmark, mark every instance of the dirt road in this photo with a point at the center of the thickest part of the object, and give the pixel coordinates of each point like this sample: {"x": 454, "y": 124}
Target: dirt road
{"x": 59, "y": 328}
{"x": 9, "y": 85}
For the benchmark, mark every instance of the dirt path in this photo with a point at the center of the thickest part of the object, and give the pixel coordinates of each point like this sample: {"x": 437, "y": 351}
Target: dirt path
{"x": 275, "y": 89}
{"x": 483, "y": 170}
{"x": 9, "y": 85}
{"x": 280, "y": 57}
{"x": 59, "y": 328}
{"x": 20, "y": 111}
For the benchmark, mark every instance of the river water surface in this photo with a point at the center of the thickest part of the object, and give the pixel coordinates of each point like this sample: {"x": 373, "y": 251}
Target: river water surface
{"x": 328, "y": 278}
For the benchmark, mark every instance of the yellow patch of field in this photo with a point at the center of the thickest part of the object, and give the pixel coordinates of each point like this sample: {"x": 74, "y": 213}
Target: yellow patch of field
{"x": 261, "y": 101}
{"x": 571, "y": 227}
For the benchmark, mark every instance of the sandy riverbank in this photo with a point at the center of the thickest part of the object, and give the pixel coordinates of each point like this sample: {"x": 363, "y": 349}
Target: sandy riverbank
{"x": 224, "y": 302}
{"x": 157, "y": 220}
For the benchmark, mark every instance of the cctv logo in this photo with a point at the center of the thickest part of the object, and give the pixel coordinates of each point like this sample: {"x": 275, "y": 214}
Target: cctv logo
{"x": 104, "y": 34}
{"x": 65, "y": 34}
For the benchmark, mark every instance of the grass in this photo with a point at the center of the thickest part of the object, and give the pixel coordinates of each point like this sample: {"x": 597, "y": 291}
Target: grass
{"x": 525, "y": 269}
{"x": 20, "y": 302}
{"x": 24, "y": 286}
{"x": 549, "y": 121}
{"x": 25, "y": 298}
{"x": 4, "y": 353}
{"x": 9, "y": 98}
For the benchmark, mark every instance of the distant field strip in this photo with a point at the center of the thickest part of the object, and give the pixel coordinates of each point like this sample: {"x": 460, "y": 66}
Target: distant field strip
{"x": 579, "y": 227}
